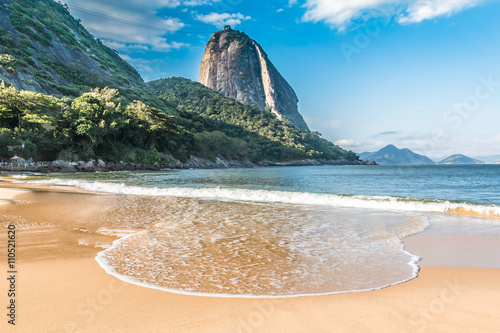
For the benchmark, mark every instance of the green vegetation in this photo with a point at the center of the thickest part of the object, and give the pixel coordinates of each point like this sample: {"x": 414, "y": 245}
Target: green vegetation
{"x": 238, "y": 130}
{"x": 6, "y": 60}
{"x": 23, "y": 117}
{"x": 94, "y": 125}
{"x": 101, "y": 125}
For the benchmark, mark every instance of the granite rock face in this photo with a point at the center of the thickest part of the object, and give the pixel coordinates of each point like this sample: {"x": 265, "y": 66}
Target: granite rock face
{"x": 237, "y": 66}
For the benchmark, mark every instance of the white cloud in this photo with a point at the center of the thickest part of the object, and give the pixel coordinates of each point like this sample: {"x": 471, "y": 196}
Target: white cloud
{"x": 155, "y": 44}
{"x": 345, "y": 143}
{"x": 157, "y": 4}
{"x": 132, "y": 24}
{"x": 114, "y": 45}
{"x": 280, "y": 10}
{"x": 125, "y": 57}
{"x": 428, "y": 9}
{"x": 220, "y": 20}
{"x": 161, "y": 44}
{"x": 144, "y": 68}
{"x": 341, "y": 13}
{"x": 153, "y": 3}
{"x": 192, "y": 3}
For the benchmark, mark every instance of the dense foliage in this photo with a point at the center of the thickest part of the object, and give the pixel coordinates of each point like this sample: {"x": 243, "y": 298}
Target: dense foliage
{"x": 94, "y": 125}
{"x": 100, "y": 124}
{"x": 247, "y": 132}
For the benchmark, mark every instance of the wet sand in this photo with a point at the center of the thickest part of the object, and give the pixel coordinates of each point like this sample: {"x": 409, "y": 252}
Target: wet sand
{"x": 61, "y": 288}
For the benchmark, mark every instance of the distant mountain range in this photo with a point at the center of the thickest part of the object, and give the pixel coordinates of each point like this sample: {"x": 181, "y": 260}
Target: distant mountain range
{"x": 490, "y": 159}
{"x": 460, "y": 159}
{"x": 391, "y": 155}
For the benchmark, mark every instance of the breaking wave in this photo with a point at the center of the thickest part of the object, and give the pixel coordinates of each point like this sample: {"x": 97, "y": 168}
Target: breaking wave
{"x": 264, "y": 196}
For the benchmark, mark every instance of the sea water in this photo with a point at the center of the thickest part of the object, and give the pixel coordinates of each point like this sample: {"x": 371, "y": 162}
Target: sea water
{"x": 281, "y": 231}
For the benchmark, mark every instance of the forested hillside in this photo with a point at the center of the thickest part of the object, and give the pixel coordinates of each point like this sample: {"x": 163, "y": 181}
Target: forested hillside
{"x": 247, "y": 131}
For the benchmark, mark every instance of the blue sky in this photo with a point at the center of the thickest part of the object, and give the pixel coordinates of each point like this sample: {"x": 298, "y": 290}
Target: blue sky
{"x": 420, "y": 74}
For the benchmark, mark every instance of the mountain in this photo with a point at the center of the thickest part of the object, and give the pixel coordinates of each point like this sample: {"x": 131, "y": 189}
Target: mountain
{"x": 237, "y": 66}
{"x": 460, "y": 159}
{"x": 210, "y": 115}
{"x": 490, "y": 159}
{"x": 44, "y": 49}
{"x": 64, "y": 95}
{"x": 391, "y": 155}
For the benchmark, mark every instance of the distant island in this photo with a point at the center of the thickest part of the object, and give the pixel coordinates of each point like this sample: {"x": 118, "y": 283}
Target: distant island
{"x": 493, "y": 159}
{"x": 460, "y": 159}
{"x": 391, "y": 155}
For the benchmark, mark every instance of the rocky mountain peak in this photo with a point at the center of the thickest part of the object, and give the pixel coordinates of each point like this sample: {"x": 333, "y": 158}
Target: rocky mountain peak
{"x": 237, "y": 66}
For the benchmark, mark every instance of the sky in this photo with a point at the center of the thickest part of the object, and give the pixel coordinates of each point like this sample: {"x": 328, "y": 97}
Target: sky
{"x": 419, "y": 74}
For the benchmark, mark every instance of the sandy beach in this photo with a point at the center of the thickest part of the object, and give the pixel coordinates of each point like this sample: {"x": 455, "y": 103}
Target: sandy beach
{"x": 61, "y": 288}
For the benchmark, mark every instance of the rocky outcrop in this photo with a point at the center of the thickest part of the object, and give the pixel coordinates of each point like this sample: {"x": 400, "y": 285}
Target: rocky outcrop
{"x": 60, "y": 166}
{"x": 237, "y": 66}
{"x": 193, "y": 163}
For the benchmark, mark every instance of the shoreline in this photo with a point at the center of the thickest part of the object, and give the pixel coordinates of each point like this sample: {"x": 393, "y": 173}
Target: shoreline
{"x": 64, "y": 289}
{"x": 380, "y": 202}
{"x": 193, "y": 163}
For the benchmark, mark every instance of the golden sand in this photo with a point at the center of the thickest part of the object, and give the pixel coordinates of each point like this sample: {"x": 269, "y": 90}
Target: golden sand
{"x": 61, "y": 288}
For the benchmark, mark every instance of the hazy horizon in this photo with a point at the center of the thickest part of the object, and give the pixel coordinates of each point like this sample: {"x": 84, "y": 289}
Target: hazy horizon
{"x": 496, "y": 157}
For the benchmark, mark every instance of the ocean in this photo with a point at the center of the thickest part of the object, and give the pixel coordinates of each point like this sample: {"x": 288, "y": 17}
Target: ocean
{"x": 283, "y": 231}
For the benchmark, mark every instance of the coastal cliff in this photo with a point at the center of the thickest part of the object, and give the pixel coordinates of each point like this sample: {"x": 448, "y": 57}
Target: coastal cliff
{"x": 237, "y": 66}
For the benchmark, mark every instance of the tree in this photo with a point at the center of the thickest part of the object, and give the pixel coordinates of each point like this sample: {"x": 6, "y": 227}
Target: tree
{"x": 149, "y": 127}
{"x": 93, "y": 119}
{"x": 26, "y": 109}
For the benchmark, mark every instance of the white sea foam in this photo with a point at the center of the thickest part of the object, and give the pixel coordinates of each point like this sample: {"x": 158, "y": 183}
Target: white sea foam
{"x": 101, "y": 258}
{"x": 353, "y": 201}
{"x": 115, "y": 232}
